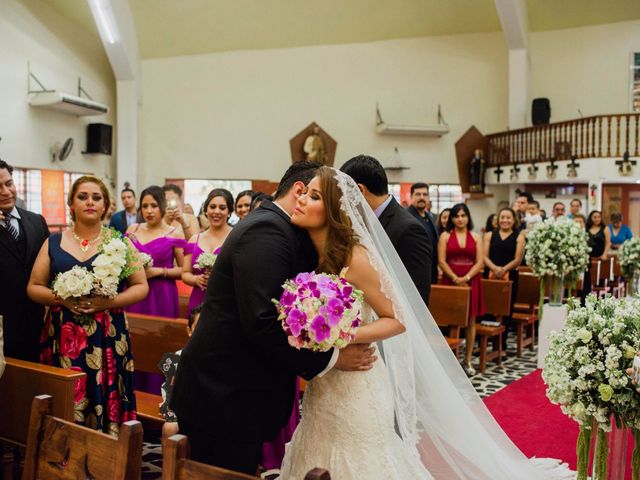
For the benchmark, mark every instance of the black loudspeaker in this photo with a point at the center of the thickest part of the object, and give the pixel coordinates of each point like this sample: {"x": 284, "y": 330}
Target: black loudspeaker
{"x": 540, "y": 111}
{"x": 99, "y": 138}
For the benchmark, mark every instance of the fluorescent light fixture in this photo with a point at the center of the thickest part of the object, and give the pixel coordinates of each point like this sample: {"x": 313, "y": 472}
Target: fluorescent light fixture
{"x": 105, "y": 20}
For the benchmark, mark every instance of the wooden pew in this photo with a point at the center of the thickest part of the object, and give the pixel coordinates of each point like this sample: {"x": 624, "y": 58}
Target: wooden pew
{"x": 58, "y": 449}
{"x": 497, "y": 302}
{"x": 449, "y": 306}
{"x": 177, "y": 466}
{"x": 526, "y": 314}
{"x": 24, "y": 380}
{"x": 152, "y": 337}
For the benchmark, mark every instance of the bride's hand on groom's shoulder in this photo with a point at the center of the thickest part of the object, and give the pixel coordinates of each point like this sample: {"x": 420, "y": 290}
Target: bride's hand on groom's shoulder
{"x": 356, "y": 357}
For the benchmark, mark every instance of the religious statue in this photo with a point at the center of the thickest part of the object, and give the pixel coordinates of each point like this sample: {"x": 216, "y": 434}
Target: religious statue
{"x": 476, "y": 172}
{"x": 315, "y": 148}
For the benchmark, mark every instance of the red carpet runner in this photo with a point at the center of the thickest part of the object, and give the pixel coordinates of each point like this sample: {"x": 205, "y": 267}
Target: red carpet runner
{"x": 536, "y": 426}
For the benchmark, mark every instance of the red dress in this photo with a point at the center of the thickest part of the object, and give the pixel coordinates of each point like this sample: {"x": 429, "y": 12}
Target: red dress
{"x": 460, "y": 260}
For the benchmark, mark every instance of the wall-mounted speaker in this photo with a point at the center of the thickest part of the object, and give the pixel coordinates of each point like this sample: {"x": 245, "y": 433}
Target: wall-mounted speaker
{"x": 540, "y": 111}
{"x": 99, "y": 138}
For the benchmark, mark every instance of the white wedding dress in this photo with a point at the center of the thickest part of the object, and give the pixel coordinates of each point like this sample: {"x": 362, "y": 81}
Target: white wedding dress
{"x": 414, "y": 416}
{"x": 348, "y": 427}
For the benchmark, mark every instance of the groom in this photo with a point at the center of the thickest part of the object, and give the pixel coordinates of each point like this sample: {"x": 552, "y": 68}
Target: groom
{"x": 235, "y": 383}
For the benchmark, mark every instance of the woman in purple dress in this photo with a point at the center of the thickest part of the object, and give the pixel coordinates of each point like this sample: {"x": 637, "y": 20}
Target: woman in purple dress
{"x": 164, "y": 244}
{"x": 217, "y": 207}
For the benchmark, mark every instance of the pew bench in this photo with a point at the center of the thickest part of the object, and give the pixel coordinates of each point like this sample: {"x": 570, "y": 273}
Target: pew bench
{"x": 151, "y": 337}
{"x": 20, "y": 383}
{"x": 58, "y": 449}
{"x": 450, "y": 306}
{"x": 497, "y": 302}
{"x": 176, "y": 465}
{"x": 525, "y": 314}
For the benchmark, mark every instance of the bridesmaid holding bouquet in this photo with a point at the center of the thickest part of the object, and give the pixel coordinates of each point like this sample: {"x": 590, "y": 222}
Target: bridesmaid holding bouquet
{"x": 199, "y": 252}
{"x": 164, "y": 245}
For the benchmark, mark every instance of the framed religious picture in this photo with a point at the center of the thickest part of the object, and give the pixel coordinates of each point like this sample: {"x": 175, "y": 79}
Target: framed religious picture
{"x": 635, "y": 82}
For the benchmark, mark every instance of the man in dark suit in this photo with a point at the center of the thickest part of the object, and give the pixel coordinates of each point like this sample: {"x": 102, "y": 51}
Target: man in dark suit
{"x": 404, "y": 231}
{"x": 22, "y": 233}
{"x": 125, "y": 218}
{"x": 236, "y": 377}
{"x": 418, "y": 208}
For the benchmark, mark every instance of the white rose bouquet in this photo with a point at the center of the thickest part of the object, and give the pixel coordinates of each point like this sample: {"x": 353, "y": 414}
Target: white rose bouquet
{"x": 112, "y": 265}
{"x": 77, "y": 282}
{"x": 585, "y": 373}
{"x": 630, "y": 257}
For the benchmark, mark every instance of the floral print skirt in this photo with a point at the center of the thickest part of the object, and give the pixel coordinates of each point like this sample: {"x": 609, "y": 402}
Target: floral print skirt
{"x": 99, "y": 346}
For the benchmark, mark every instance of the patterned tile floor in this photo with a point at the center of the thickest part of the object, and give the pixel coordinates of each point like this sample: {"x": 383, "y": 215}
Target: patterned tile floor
{"x": 493, "y": 379}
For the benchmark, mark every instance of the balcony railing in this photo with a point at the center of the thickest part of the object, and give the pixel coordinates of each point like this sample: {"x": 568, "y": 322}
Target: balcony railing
{"x": 589, "y": 137}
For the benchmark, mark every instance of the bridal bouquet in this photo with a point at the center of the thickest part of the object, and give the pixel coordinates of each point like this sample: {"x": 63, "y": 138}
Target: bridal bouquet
{"x": 585, "y": 373}
{"x": 630, "y": 257}
{"x": 206, "y": 260}
{"x": 319, "y": 311}
{"x": 111, "y": 266}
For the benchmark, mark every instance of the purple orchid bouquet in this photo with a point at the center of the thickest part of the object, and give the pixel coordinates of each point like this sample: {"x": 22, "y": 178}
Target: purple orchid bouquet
{"x": 319, "y": 311}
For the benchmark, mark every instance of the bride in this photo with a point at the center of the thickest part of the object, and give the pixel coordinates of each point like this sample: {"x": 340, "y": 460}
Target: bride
{"x": 415, "y": 415}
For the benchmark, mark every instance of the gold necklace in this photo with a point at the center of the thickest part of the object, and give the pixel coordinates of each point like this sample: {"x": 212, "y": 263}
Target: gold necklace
{"x": 84, "y": 243}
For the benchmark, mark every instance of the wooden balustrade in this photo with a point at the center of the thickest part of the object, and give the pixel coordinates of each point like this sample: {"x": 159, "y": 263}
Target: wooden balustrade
{"x": 588, "y": 137}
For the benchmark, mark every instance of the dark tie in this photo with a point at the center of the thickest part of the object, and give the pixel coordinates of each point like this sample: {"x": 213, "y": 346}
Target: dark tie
{"x": 10, "y": 228}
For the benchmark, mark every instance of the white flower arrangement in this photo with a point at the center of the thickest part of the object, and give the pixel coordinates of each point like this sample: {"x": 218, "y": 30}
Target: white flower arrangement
{"x": 585, "y": 370}
{"x": 558, "y": 247}
{"x": 630, "y": 257}
{"x": 109, "y": 268}
{"x": 206, "y": 261}
{"x": 145, "y": 259}
{"x": 77, "y": 282}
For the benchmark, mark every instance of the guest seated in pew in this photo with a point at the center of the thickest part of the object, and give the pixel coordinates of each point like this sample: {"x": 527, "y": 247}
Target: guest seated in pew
{"x": 218, "y": 208}
{"x": 618, "y": 231}
{"x": 170, "y": 426}
{"x": 461, "y": 258}
{"x": 503, "y": 252}
{"x": 89, "y": 333}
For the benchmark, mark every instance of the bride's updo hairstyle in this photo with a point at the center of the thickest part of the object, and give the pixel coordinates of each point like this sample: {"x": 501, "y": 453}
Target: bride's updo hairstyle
{"x": 340, "y": 236}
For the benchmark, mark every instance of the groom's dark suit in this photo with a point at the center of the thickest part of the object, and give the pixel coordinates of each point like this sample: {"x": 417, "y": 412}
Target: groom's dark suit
{"x": 235, "y": 383}
{"x": 408, "y": 238}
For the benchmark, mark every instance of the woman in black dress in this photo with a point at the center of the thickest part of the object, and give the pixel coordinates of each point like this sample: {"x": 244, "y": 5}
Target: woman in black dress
{"x": 503, "y": 252}
{"x": 599, "y": 241}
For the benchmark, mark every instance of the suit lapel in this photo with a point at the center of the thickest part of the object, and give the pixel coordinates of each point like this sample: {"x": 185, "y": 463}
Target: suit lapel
{"x": 29, "y": 232}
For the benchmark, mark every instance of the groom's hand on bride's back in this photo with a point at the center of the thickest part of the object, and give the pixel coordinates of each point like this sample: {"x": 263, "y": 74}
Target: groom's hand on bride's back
{"x": 356, "y": 357}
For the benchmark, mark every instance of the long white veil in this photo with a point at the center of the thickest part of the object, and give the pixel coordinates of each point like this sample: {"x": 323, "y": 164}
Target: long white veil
{"x": 439, "y": 415}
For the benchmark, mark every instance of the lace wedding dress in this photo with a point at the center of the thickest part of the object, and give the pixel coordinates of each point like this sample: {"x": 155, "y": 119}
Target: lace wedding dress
{"x": 414, "y": 416}
{"x": 348, "y": 427}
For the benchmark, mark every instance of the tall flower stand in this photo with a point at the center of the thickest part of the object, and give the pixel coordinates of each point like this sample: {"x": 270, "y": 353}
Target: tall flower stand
{"x": 553, "y": 319}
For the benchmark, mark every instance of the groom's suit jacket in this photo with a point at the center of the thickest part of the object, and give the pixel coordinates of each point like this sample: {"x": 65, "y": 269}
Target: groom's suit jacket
{"x": 23, "y": 319}
{"x": 408, "y": 238}
{"x": 236, "y": 376}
